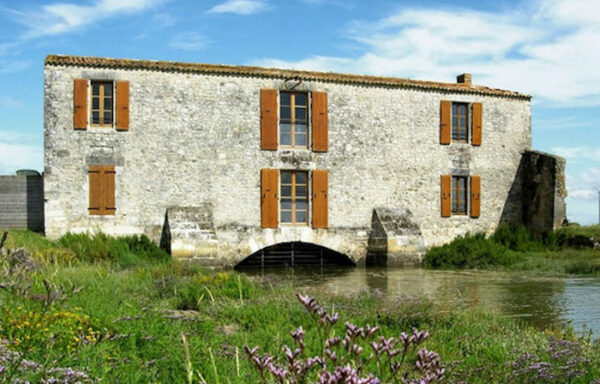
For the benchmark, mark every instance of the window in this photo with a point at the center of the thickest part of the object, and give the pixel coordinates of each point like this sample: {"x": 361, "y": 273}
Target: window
{"x": 101, "y": 190}
{"x": 459, "y": 195}
{"x": 293, "y": 119}
{"x": 102, "y": 104}
{"x": 460, "y": 122}
{"x": 294, "y": 197}
{"x": 460, "y": 126}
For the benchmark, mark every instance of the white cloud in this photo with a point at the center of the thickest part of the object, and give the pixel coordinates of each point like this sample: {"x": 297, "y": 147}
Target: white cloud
{"x": 240, "y": 7}
{"x": 189, "y": 42}
{"x": 57, "y": 18}
{"x": 19, "y": 151}
{"x": 591, "y": 175}
{"x": 578, "y": 152}
{"x": 582, "y": 194}
{"x": 548, "y": 51}
{"x": 14, "y": 66}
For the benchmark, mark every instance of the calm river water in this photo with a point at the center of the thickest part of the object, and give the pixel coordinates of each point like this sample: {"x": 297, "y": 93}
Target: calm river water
{"x": 541, "y": 301}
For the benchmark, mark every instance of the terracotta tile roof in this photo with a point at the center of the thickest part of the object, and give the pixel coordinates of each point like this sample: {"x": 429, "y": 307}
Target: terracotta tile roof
{"x": 99, "y": 62}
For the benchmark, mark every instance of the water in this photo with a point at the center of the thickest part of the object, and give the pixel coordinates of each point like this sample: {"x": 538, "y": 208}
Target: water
{"x": 541, "y": 301}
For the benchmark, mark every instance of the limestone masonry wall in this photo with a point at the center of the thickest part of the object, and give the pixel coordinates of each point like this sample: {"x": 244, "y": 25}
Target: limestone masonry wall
{"x": 194, "y": 141}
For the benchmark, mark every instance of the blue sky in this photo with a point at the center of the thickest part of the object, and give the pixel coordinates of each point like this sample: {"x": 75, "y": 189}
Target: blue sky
{"x": 547, "y": 48}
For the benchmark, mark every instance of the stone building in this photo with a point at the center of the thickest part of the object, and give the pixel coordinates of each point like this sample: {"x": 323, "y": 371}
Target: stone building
{"x": 223, "y": 162}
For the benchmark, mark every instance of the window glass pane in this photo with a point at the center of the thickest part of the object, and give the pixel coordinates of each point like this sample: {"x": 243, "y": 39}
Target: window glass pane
{"x": 107, "y": 103}
{"x": 300, "y": 178}
{"x": 285, "y": 128}
{"x": 300, "y": 128}
{"x": 107, "y": 117}
{"x": 454, "y": 109}
{"x": 286, "y": 139}
{"x": 300, "y": 139}
{"x": 463, "y": 110}
{"x": 300, "y": 216}
{"x": 286, "y": 216}
{"x": 107, "y": 89}
{"x": 95, "y": 103}
{"x": 300, "y": 113}
{"x": 95, "y": 89}
{"x": 301, "y": 205}
{"x": 286, "y": 190}
{"x": 462, "y": 208}
{"x": 286, "y": 177}
{"x": 285, "y": 113}
{"x": 300, "y": 99}
{"x": 300, "y": 191}
{"x": 95, "y": 117}
{"x": 454, "y": 122}
{"x": 285, "y": 99}
{"x": 286, "y": 204}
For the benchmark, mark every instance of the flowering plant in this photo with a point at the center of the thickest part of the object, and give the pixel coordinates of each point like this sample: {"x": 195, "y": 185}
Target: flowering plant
{"x": 347, "y": 358}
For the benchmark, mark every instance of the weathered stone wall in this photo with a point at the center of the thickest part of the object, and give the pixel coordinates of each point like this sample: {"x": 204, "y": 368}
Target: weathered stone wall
{"x": 22, "y": 202}
{"x": 544, "y": 191}
{"x": 194, "y": 139}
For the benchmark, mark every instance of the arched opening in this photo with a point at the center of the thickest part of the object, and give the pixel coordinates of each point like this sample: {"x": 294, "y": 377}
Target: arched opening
{"x": 293, "y": 255}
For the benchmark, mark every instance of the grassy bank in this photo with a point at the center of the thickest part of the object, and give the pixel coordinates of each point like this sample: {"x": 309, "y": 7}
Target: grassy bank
{"x": 568, "y": 250}
{"x": 127, "y": 322}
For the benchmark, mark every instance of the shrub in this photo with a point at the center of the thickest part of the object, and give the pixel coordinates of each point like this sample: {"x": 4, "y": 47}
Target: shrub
{"x": 127, "y": 250}
{"x": 143, "y": 246}
{"x": 470, "y": 251}
{"x": 520, "y": 239}
{"x": 98, "y": 247}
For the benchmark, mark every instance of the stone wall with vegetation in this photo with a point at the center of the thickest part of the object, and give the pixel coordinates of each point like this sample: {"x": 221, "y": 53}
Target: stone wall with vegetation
{"x": 194, "y": 141}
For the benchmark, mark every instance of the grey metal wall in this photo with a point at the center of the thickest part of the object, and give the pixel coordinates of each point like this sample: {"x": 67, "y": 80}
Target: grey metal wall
{"x": 22, "y": 202}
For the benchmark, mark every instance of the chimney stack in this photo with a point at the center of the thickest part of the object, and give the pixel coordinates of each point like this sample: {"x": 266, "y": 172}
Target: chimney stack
{"x": 465, "y": 78}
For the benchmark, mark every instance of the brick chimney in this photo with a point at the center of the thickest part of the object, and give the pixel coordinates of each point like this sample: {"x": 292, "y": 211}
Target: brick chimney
{"x": 465, "y": 78}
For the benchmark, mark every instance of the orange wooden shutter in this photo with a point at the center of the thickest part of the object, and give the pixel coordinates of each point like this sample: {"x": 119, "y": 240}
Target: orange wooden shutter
{"x": 109, "y": 190}
{"x": 319, "y": 121}
{"x": 475, "y": 196}
{"x": 477, "y": 123}
{"x": 95, "y": 185}
{"x": 102, "y": 190}
{"x": 80, "y": 115}
{"x": 319, "y": 201}
{"x": 446, "y": 197}
{"x": 122, "y": 120}
{"x": 268, "y": 119}
{"x": 445, "y": 121}
{"x": 269, "y": 184}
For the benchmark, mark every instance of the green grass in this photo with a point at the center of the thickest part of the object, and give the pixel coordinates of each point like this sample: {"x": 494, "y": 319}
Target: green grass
{"x": 517, "y": 249}
{"x": 72, "y": 248}
{"x": 589, "y": 231}
{"x": 127, "y": 321}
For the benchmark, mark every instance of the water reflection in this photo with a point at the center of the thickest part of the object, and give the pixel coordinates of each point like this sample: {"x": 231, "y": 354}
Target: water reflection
{"x": 541, "y": 301}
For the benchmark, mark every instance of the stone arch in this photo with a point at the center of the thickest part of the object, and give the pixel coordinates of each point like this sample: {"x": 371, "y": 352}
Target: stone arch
{"x": 295, "y": 254}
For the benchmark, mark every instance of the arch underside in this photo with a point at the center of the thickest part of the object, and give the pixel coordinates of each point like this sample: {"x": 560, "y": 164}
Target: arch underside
{"x": 295, "y": 254}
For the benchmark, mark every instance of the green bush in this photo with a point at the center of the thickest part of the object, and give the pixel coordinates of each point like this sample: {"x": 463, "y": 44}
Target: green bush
{"x": 470, "y": 251}
{"x": 127, "y": 250}
{"x": 143, "y": 246}
{"x": 521, "y": 239}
